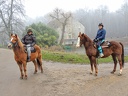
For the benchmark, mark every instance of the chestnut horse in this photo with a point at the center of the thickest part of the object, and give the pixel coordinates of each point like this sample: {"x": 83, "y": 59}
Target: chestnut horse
{"x": 21, "y": 56}
{"x": 116, "y": 50}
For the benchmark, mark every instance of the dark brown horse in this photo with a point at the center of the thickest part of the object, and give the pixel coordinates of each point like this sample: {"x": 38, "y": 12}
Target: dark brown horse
{"x": 116, "y": 50}
{"x": 21, "y": 56}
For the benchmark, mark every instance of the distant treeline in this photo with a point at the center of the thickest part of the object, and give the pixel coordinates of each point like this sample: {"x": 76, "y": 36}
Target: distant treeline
{"x": 116, "y": 23}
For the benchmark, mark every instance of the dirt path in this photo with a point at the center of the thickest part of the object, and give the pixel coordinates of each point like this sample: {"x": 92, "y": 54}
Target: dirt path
{"x": 60, "y": 80}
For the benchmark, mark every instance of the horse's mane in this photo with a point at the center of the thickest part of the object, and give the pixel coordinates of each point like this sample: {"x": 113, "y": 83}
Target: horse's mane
{"x": 20, "y": 44}
{"x": 88, "y": 39}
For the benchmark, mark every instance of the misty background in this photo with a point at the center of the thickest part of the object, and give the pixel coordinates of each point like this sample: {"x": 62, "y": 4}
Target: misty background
{"x": 62, "y": 22}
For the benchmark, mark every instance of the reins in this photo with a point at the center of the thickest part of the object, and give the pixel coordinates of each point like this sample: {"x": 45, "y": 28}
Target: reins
{"x": 14, "y": 44}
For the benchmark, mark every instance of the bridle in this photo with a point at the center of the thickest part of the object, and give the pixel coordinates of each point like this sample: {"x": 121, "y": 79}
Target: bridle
{"x": 14, "y": 44}
{"x": 83, "y": 41}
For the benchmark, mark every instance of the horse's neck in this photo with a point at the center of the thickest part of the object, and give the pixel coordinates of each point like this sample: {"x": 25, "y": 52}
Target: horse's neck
{"x": 88, "y": 43}
{"x": 19, "y": 48}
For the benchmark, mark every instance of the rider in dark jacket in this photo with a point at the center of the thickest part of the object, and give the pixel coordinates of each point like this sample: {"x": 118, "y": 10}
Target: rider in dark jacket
{"x": 100, "y": 38}
{"x": 29, "y": 41}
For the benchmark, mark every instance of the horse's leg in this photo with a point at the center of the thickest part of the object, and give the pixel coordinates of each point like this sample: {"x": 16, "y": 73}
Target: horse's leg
{"x": 115, "y": 63}
{"x": 91, "y": 68}
{"x": 95, "y": 65}
{"x": 40, "y": 61}
{"x": 21, "y": 70}
{"x": 91, "y": 64}
{"x": 35, "y": 64}
{"x": 25, "y": 69}
{"x": 120, "y": 62}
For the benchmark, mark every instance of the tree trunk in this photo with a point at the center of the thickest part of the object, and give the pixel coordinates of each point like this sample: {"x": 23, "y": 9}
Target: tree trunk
{"x": 8, "y": 24}
{"x": 10, "y": 19}
{"x": 62, "y": 35}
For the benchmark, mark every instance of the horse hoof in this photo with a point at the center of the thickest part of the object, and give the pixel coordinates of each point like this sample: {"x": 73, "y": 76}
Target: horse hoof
{"x": 34, "y": 72}
{"x": 25, "y": 78}
{"x": 112, "y": 72}
{"x": 96, "y": 75}
{"x": 119, "y": 74}
{"x": 21, "y": 78}
{"x": 42, "y": 71}
{"x": 91, "y": 73}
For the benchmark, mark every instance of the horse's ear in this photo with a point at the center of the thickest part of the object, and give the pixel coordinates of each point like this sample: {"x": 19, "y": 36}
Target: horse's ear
{"x": 79, "y": 33}
{"x": 16, "y": 35}
{"x": 82, "y": 34}
{"x": 11, "y": 34}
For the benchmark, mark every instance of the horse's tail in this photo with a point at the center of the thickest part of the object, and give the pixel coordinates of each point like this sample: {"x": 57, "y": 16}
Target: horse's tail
{"x": 122, "y": 56}
{"x": 39, "y": 64}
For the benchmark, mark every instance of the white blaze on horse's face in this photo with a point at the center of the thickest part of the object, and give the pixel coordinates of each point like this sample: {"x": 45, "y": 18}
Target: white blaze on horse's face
{"x": 10, "y": 44}
{"x": 11, "y": 39}
{"x": 78, "y": 42}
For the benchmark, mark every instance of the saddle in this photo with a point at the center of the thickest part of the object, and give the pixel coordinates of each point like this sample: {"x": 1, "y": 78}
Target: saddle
{"x": 33, "y": 50}
{"x": 105, "y": 44}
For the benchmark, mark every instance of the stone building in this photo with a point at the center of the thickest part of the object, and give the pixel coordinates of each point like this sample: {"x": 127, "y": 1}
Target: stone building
{"x": 72, "y": 30}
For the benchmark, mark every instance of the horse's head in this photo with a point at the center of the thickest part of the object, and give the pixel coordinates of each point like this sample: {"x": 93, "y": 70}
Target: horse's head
{"x": 80, "y": 40}
{"x": 13, "y": 41}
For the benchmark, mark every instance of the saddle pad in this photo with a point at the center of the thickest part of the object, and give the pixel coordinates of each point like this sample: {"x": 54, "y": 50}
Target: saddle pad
{"x": 33, "y": 49}
{"x": 106, "y": 43}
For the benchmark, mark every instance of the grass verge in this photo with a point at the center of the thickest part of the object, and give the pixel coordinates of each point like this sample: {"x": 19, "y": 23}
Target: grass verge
{"x": 72, "y": 58}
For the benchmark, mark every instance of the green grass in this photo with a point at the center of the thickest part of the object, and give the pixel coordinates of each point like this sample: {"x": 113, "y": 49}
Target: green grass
{"x": 72, "y": 58}
{"x": 126, "y": 58}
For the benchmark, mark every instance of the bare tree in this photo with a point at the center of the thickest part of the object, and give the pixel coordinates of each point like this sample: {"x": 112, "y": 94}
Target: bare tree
{"x": 11, "y": 14}
{"x": 101, "y": 12}
{"x": 124, "y": 13}
{"x": 63, "y": 18}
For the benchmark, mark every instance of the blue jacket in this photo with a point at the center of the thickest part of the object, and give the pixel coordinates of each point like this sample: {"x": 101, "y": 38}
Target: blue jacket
{"x": 101, "y": 34}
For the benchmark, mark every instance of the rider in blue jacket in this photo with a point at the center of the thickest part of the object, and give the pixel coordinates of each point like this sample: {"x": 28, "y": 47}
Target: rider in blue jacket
{"x": 100, "y": 38}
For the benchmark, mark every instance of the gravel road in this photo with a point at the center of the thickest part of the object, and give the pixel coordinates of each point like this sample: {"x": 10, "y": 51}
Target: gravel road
{"x": 60, "y": 79}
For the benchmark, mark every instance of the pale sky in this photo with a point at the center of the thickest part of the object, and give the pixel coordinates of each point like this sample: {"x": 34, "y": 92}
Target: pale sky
{"x": 35, "y": 8}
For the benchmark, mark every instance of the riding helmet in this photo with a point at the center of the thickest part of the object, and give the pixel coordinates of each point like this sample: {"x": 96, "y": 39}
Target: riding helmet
{"x": 29, "y": 30}
{"x": 100, "y": 24}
